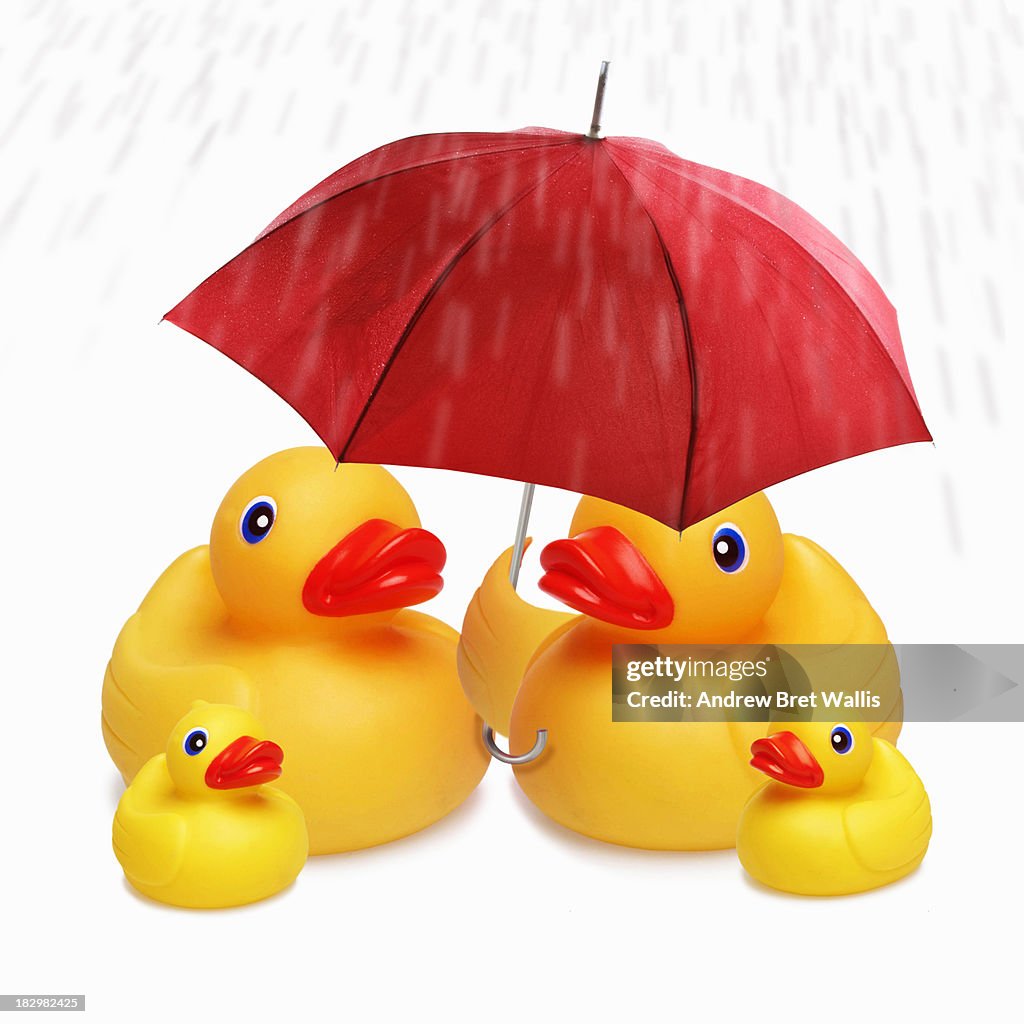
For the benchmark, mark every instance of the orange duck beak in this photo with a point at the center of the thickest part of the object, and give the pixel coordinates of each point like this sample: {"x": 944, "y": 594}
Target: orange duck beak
{"x": 377, "y": 567}
{"x": 784, "y": 757}
{"x": 245, "y": 762}
{"x": 601, "y": 573}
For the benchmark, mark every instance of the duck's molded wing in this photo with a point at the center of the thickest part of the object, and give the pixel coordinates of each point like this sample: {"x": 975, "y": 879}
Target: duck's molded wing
{"x": 893, "y": 829}
{"x": 500, "y": 634}
{"x": 186, "y": 591}
{"x": 819, "y": 604}
{"x": 818, "y": 601}
{"x": 143, "y": 700}
{"x": 153, "y": 677}
{"x": 149, "y": 844}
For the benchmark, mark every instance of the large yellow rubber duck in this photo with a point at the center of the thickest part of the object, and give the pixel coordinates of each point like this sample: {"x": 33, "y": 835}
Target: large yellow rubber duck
{"x": 198, "y": 827}
{"x": 734, "y": 578}
{"x": 297, "y": 612}
{"x": 844, "y": 812}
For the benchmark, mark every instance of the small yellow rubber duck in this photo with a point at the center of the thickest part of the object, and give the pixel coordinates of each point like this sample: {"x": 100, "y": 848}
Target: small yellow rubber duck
{"x": 298, "y": 611}
{"x": 845, "y": 812}
{"x": 734, "y": 578}
{"x": 198, "y": 827}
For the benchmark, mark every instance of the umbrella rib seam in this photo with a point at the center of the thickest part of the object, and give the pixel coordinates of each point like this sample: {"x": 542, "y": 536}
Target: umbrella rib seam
{"x": 391, "y": 174}
{"x": 268, "y": 231}
{"x": 850, "y": 301}
{"x": 435, "y": 287}
{"x": 768, "y": 327}
{"x": 687, "y": 338}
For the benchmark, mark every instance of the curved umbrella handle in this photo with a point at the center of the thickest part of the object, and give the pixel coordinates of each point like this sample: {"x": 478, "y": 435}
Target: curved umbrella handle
{"x": 499, "y": 755}
{"x": 517, "y": 558}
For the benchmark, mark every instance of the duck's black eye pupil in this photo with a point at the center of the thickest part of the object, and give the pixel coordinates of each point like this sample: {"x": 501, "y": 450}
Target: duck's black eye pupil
{"x": 729, "y": 549}
{"x": 842, "y": 740}
{"x": 195, "y": 742}
{"x": 259, "y": 522}
{"x": 258, "y": 519}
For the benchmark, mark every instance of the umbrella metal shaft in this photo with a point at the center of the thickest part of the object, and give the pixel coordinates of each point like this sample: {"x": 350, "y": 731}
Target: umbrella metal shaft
{"x": 521, "y": 528}
{"x": 526, "y": 504}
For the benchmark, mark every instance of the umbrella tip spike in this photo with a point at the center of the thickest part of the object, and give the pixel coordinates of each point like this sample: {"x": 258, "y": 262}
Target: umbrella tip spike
{"x": 595, "y": 121}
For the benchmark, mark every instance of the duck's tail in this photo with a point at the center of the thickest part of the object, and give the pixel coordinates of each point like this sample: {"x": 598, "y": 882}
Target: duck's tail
{"x": 500, "y": 634}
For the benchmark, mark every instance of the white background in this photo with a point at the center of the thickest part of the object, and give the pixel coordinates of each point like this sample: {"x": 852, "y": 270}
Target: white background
{"x": 142, "y": 144}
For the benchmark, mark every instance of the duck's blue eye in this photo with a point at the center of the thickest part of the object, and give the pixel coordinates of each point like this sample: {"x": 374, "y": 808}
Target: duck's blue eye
{"x": 195, "y": 742}
{"x": 729, "y": 547}
{"x": 258, "y": 519}
{"x": 842, "y": 740}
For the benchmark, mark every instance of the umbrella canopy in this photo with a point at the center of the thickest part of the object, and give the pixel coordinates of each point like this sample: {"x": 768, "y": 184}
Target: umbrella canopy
{"x": 592, "y": 314}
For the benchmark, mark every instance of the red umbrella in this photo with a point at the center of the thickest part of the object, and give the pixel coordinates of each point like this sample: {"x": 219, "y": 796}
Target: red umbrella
{"x": 592, "y": 313}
